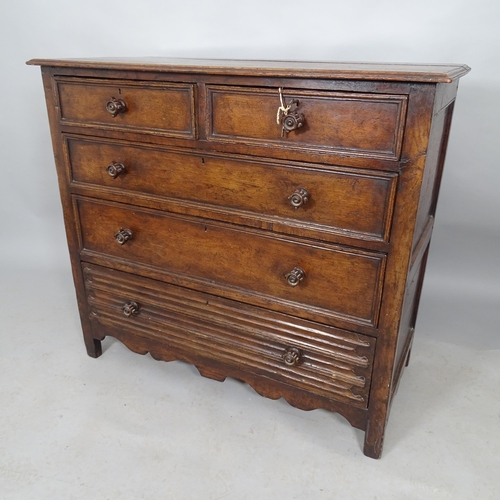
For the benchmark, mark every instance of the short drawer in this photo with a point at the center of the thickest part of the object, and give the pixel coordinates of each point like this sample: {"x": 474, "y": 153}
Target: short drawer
{"x": 346, "y": 123}
{"x": 197, "y": 326}
{"x": 165, "y": 108}
{"x": 288, "y": 273}
{"x": 344, "y": 201}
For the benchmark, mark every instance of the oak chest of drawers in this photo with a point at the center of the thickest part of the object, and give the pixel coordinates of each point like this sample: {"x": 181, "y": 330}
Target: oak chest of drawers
{"x": 268, "y": 221}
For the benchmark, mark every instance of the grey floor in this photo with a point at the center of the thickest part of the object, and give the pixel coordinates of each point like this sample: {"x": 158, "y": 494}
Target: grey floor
{"x": 127, "y": 427}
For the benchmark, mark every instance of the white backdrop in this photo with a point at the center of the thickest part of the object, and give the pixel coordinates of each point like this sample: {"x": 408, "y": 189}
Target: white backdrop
{"x": 461, "y": 300}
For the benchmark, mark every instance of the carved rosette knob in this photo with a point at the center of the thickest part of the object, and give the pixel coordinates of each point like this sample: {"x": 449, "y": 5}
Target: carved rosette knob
{"x": 293, "y": 121}
{"x": 299, "y": 198}
{"x": 114, "y": 169}
{"x": 289, "y": 120}
{"x": 123, "y": 235}
{"x": 131, "y": 309}
{"x": 116, "y": 106}
{"x": 295, "y": 276}
{"x": 292, "y": 356}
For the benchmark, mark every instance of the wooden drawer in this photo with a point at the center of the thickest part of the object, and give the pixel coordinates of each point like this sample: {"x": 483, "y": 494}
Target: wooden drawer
{"x": 195, "y": 326}
{"x": 344, "y": 201}
{"x": 338, "y": 282}
{"x": 346, "y": 123}
{"x": 159, "y": 108}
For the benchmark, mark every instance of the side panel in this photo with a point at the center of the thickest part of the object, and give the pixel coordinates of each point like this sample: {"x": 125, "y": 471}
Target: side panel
{"x": 93, "y": 346}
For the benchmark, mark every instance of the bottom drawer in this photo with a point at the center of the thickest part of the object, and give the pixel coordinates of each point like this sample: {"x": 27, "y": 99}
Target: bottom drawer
{"x": 192, "y": 325}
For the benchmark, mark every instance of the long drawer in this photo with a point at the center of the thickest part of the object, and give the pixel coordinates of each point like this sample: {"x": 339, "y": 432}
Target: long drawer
{"x": 147, "y": 107}
{"x": 327, "y": 361}
{"x": 343, "y": 201}
{"x": 287, "y": 273}
{"x": 347, "y": 123}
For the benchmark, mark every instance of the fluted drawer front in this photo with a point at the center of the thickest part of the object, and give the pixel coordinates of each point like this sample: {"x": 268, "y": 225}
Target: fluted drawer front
{"x": 160, "y": 108}
{"x": 347, "y": 123}
{"x": 342, "y": 200}
{"x": 193, "y": 325}
{"x": 287, "y": 273}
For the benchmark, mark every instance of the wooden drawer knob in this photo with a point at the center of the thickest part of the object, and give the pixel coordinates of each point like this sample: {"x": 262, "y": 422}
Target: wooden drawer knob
{"x": 131, "y": 309}
{"x": 123, "y": 235}
{"x": 289, "y": 120}
{"x": 116, "y": 106}
{"x": 292, "y": 356}
{"x": 114, "y": 169}
{"x": 299, "y": 198}
{"x": 295, "y": 276}
{"x": 293, "y": 121}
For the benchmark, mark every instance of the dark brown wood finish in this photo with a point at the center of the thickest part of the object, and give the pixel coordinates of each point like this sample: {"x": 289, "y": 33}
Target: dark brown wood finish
{"x": 345, "y": 122}
{"x": 275, "y": 236}
{"x": 150, "y": 107}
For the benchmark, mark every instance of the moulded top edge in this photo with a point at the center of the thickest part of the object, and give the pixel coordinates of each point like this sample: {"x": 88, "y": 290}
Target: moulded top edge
{"x": 432, "y": 73}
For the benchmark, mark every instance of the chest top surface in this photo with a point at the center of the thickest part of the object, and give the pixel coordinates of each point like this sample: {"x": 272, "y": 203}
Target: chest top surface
{"x": 403, "y": 72}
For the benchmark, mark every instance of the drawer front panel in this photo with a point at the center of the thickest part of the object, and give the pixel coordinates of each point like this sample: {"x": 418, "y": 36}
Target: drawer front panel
{"x": 348, "y": 123}
{"x": 329, "y": 362}
{"x": 337, "y": 282}
{"x": 344, "y": 201}
{"x": 164, "y": 108}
